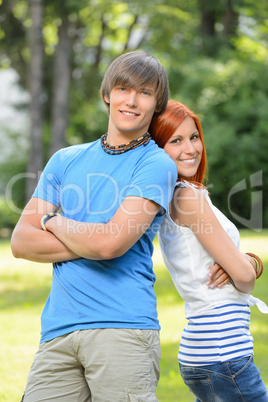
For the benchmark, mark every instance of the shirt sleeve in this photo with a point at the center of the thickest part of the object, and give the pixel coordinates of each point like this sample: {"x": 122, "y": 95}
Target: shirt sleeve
{"x": 48, "y": 187}
{"x": 154, "y": 179}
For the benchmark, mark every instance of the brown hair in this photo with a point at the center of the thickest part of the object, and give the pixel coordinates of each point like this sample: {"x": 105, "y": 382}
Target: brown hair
{"x": 164, "y": 126}
{"x": 137, "y": 70}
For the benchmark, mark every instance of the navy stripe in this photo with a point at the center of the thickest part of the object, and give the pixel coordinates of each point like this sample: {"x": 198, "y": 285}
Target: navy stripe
{"x": 231, "y": 304}
{"x": 216, "y": 331}
{"x": 239, "y": 350}
{"x": 200, "y": 354}
{"x": 200, "y": 364}
{"x": 210, "y": 362}
{"x": 198, "y": 347}
{"x": 213, "y": 354}
{"x": 219, "y": 315}
{"x": 216, "y": 347}
{"x": 219, "y": 322}
{"x": 213, "y": 339}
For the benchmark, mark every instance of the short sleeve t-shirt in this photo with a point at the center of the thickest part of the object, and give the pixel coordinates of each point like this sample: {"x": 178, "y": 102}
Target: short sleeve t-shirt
{"x": 88, "y": 185}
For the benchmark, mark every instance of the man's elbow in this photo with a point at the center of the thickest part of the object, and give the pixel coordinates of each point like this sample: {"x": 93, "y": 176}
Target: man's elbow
{"x": 18, "y": 245}
{"x": 16, "y": 248}
{"x": 110, "y": 253}
{"x": 110, "y": 249}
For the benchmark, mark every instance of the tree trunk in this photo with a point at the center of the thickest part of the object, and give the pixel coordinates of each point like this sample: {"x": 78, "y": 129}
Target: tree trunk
{"x": 35, "y": 163}
{"x": 61, "y": 83}
{"x": 208, "y": 18}
{"x": 230, "y": 20}
{"x": 130, "y": 29}
{"x": 99, "y": 47}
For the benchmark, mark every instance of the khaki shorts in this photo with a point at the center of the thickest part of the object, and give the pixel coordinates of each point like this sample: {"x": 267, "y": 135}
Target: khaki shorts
{"x": 96, "y": 365}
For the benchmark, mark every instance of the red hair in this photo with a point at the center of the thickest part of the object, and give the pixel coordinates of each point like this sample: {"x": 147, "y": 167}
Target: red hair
{"x": 164, "y": 126}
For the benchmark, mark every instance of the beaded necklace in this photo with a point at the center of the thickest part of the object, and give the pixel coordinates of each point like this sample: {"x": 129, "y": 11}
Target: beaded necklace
{"x": 120, "y": 149}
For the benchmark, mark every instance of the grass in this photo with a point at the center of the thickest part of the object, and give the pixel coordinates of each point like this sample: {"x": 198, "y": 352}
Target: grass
{"x": 24, "y": 287}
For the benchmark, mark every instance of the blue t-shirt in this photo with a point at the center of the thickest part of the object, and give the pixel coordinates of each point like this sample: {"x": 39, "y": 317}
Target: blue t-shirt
{"x": 89, "y": 185}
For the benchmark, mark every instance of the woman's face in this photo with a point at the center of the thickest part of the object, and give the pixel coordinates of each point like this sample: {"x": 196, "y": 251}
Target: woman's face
{"x": 185, "y": 148}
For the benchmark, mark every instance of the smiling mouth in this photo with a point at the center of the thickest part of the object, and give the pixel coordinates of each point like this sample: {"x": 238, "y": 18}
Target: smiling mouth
{"x": 190, "y": 161}
{"x": 127, "y": 113}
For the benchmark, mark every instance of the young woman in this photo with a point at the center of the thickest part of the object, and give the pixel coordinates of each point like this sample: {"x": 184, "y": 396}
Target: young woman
{"x": 216, "y": 349}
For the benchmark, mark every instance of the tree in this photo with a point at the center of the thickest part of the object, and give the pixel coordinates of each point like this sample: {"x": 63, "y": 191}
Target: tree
{"x": 36, "y": 68}
{"x": 60, "y": 88}
{"x": 215, "y": 53}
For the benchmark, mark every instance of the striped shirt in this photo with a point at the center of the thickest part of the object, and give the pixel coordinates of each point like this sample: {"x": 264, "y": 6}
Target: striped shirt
{"x": 220, "y": 335}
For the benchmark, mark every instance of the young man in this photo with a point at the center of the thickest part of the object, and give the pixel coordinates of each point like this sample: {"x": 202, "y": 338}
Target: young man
{"x": 100, "y": 331}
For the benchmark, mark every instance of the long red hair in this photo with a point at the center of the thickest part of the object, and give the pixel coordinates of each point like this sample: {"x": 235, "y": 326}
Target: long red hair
{"x": 164, "y": 126}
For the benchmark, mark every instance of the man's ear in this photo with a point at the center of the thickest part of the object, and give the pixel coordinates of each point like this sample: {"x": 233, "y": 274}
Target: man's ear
{"x": 107, "y": 100}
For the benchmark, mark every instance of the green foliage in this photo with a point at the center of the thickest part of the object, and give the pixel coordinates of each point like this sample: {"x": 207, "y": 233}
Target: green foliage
{"x": 12, "y": 193}
{"x": 12, "y": 183}
{"x": 231, "y": 101}
{"x": 8, "y": 218}
{"x": 89, "y": 124}
{"x": 222, "y": 77}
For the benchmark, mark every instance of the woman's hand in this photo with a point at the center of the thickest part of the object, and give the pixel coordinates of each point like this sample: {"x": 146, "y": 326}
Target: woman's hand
{"x": 218, "y": 277}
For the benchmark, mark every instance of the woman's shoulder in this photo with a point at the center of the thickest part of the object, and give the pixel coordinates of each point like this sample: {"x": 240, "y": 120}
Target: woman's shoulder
{"x": 187, "y": 192}
{"x": 189, "y": 203}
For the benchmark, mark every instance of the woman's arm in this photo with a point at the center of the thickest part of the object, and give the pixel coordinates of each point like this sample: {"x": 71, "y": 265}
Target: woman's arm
{"x": 30, "y": 242}
{"x": 191, "y": 209}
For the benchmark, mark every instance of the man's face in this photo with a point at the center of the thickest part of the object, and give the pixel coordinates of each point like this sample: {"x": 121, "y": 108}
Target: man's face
{"x": 131, "y": 110}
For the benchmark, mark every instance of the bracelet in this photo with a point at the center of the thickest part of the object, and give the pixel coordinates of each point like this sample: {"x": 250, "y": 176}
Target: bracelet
{"x": 46, "y": 217}
{"x": 259, "y": 263}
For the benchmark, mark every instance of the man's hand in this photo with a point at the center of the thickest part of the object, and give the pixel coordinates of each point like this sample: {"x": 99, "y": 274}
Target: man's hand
{"x": 30, "y": 242}
{"x": 218, "y": 277}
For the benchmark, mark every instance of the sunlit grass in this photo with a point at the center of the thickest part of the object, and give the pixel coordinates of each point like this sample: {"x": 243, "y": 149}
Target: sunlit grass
{"x": 24, "y": 287}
